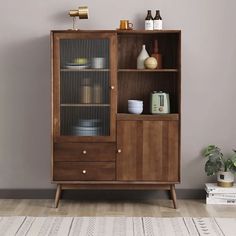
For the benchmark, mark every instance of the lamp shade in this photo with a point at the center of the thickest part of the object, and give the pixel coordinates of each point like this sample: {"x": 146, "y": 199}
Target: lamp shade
{"x": 82, "y": 12}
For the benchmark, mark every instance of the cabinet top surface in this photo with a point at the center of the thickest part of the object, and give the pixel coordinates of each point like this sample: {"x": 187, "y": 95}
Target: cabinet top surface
{"x": 118, "y": 31}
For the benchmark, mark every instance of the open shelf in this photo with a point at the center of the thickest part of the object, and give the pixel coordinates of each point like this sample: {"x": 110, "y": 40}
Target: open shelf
{"x": 130, "y": 46}
{"x": 135, "y": 32}
{"x": 86, "y": 70}
{"x": 138, "y": 86}
{"x": 148, "y": 70}
{"x": 162, "y": 117}
{"x": 85, "y": 105}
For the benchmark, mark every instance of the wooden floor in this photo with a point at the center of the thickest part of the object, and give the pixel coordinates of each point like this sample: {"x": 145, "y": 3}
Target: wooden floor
{"x": 154, "y": 208}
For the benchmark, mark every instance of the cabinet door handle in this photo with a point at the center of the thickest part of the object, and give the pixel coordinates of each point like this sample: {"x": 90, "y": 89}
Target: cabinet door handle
{"x": 84, "y": 172}
{"x": 84, "y": 152}
{"x": 119, "y": 150}
{"x": 112, "y": 87}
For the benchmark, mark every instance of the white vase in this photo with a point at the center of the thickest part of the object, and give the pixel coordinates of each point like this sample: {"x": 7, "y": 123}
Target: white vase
{"x": 141, "y": 58}
{"x": 225, "y": 179}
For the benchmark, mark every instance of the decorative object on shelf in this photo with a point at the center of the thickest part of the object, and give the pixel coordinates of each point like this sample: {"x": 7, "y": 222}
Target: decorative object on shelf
{"x": 86, "y": 127}
{"x": 224, "y": 168}
{"x": 149, "y": 21}
{"x": 143, "y": 55}
{"x": 89, "y": 122}
{"x": 150, "y": 63}
{"x": 160, "y": 103}
{"x": 135, "y": 106}
{"x": 157, "y": 21}
{"x": 126, "y": 25}
{"x": 97, "y": 93}
{"x": 86, "y": 93}
{"x": 225, "y": 178}
{"x": 157, "y": 55}
{"x": 78, "y": 64}
{"x": 82, "y": 12}
{"x": 81, "y": 61}
{"x": 98, "y": 63}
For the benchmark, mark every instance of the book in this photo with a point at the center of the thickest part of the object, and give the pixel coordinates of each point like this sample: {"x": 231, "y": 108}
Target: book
{"x": 220, "y": 201}
{"x": 213, "y": 188}
{"x": 222, "y": 195}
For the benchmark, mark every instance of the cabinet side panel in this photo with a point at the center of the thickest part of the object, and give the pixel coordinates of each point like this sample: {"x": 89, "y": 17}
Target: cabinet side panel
{"x": 173, "y": 151}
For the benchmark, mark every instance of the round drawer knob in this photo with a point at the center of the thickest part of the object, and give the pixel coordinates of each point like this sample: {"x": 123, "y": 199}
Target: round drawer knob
{"x": 112, "y": 87}
{"x": 84, "y": 172}
{"x": 84, "y": 152}
{"x": 119, "y": 151}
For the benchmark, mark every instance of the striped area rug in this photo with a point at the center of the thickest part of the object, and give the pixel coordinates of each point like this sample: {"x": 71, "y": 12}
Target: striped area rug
{"x": 116, "y": 226}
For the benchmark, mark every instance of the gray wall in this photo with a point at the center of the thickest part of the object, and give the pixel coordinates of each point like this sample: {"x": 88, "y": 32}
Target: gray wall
{"x": 208, "y": 78}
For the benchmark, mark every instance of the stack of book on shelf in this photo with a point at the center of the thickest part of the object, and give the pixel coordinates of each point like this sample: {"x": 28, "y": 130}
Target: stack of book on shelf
{"x": 220, "y": 195}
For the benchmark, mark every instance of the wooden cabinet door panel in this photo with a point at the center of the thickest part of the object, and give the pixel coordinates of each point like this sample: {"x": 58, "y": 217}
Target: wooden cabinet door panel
{"x": 127, "y": 144}
{"x": 153, "y": 137}
{"x": 149, "y": 151}
{"x": 160, "y": 150}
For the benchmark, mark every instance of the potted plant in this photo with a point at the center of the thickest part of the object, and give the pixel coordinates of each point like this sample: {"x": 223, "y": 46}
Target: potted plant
{"x": 223, "y": 167}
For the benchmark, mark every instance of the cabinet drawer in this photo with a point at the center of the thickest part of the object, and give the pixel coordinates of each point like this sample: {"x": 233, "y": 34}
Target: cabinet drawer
{"x": 84, "y": 171}
{"x": 84, "y": 152}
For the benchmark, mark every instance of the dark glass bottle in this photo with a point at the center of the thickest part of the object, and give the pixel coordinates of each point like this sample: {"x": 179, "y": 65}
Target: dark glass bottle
{"x": 158, "y": 15}
{"x": 149, "y": 21}
{"x": 157, "y": 54}
{"x": 157, "y": 22}
{"x": 149, "y": 15}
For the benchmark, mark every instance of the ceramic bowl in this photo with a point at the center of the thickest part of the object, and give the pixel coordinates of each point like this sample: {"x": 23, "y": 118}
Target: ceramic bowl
{"x": 135, "y": 110}
{"x": 135, "y": 107}
{"x": 135, "y": 102}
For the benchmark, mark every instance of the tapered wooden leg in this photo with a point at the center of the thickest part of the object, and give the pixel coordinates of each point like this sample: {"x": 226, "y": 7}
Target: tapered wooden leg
{"x": 173, "y": 195}
{"x": 58, "y": 195}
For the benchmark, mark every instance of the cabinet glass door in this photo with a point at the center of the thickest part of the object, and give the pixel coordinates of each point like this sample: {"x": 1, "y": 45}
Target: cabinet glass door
{"x": 85, "y": 87}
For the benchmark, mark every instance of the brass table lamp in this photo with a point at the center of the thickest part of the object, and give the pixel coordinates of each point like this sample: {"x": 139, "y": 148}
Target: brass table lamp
{"x": 82, "y": 12}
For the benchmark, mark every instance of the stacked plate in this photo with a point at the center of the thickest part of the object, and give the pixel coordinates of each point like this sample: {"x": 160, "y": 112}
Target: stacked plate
{"x": 87, "y": 127}
{"x": 135, "y": 106}
{"x": 78, "y": 63}
{"x": 76, "y": 66}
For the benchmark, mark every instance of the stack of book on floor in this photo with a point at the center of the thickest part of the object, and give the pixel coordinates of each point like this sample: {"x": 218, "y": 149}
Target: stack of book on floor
{"x": 220, "y": 195}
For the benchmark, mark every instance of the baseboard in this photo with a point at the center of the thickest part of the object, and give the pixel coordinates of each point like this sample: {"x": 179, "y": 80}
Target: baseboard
{"x": 100, "y": 194}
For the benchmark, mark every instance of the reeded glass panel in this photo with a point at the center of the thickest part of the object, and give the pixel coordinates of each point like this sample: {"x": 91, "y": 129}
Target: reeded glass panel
{"x": 84, "y": 87}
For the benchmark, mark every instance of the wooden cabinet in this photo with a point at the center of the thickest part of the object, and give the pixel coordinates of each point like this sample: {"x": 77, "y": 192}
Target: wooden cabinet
{"x": 148, "y": 151}
{"x": 96, "y": 144}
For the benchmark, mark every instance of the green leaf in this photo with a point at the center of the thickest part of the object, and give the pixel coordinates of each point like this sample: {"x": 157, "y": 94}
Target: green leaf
{"x": 211, "y": 168}
{"x": 212, "y": 151}
{"x": 209, "y": 150}
{"x": 233, "y": 159}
